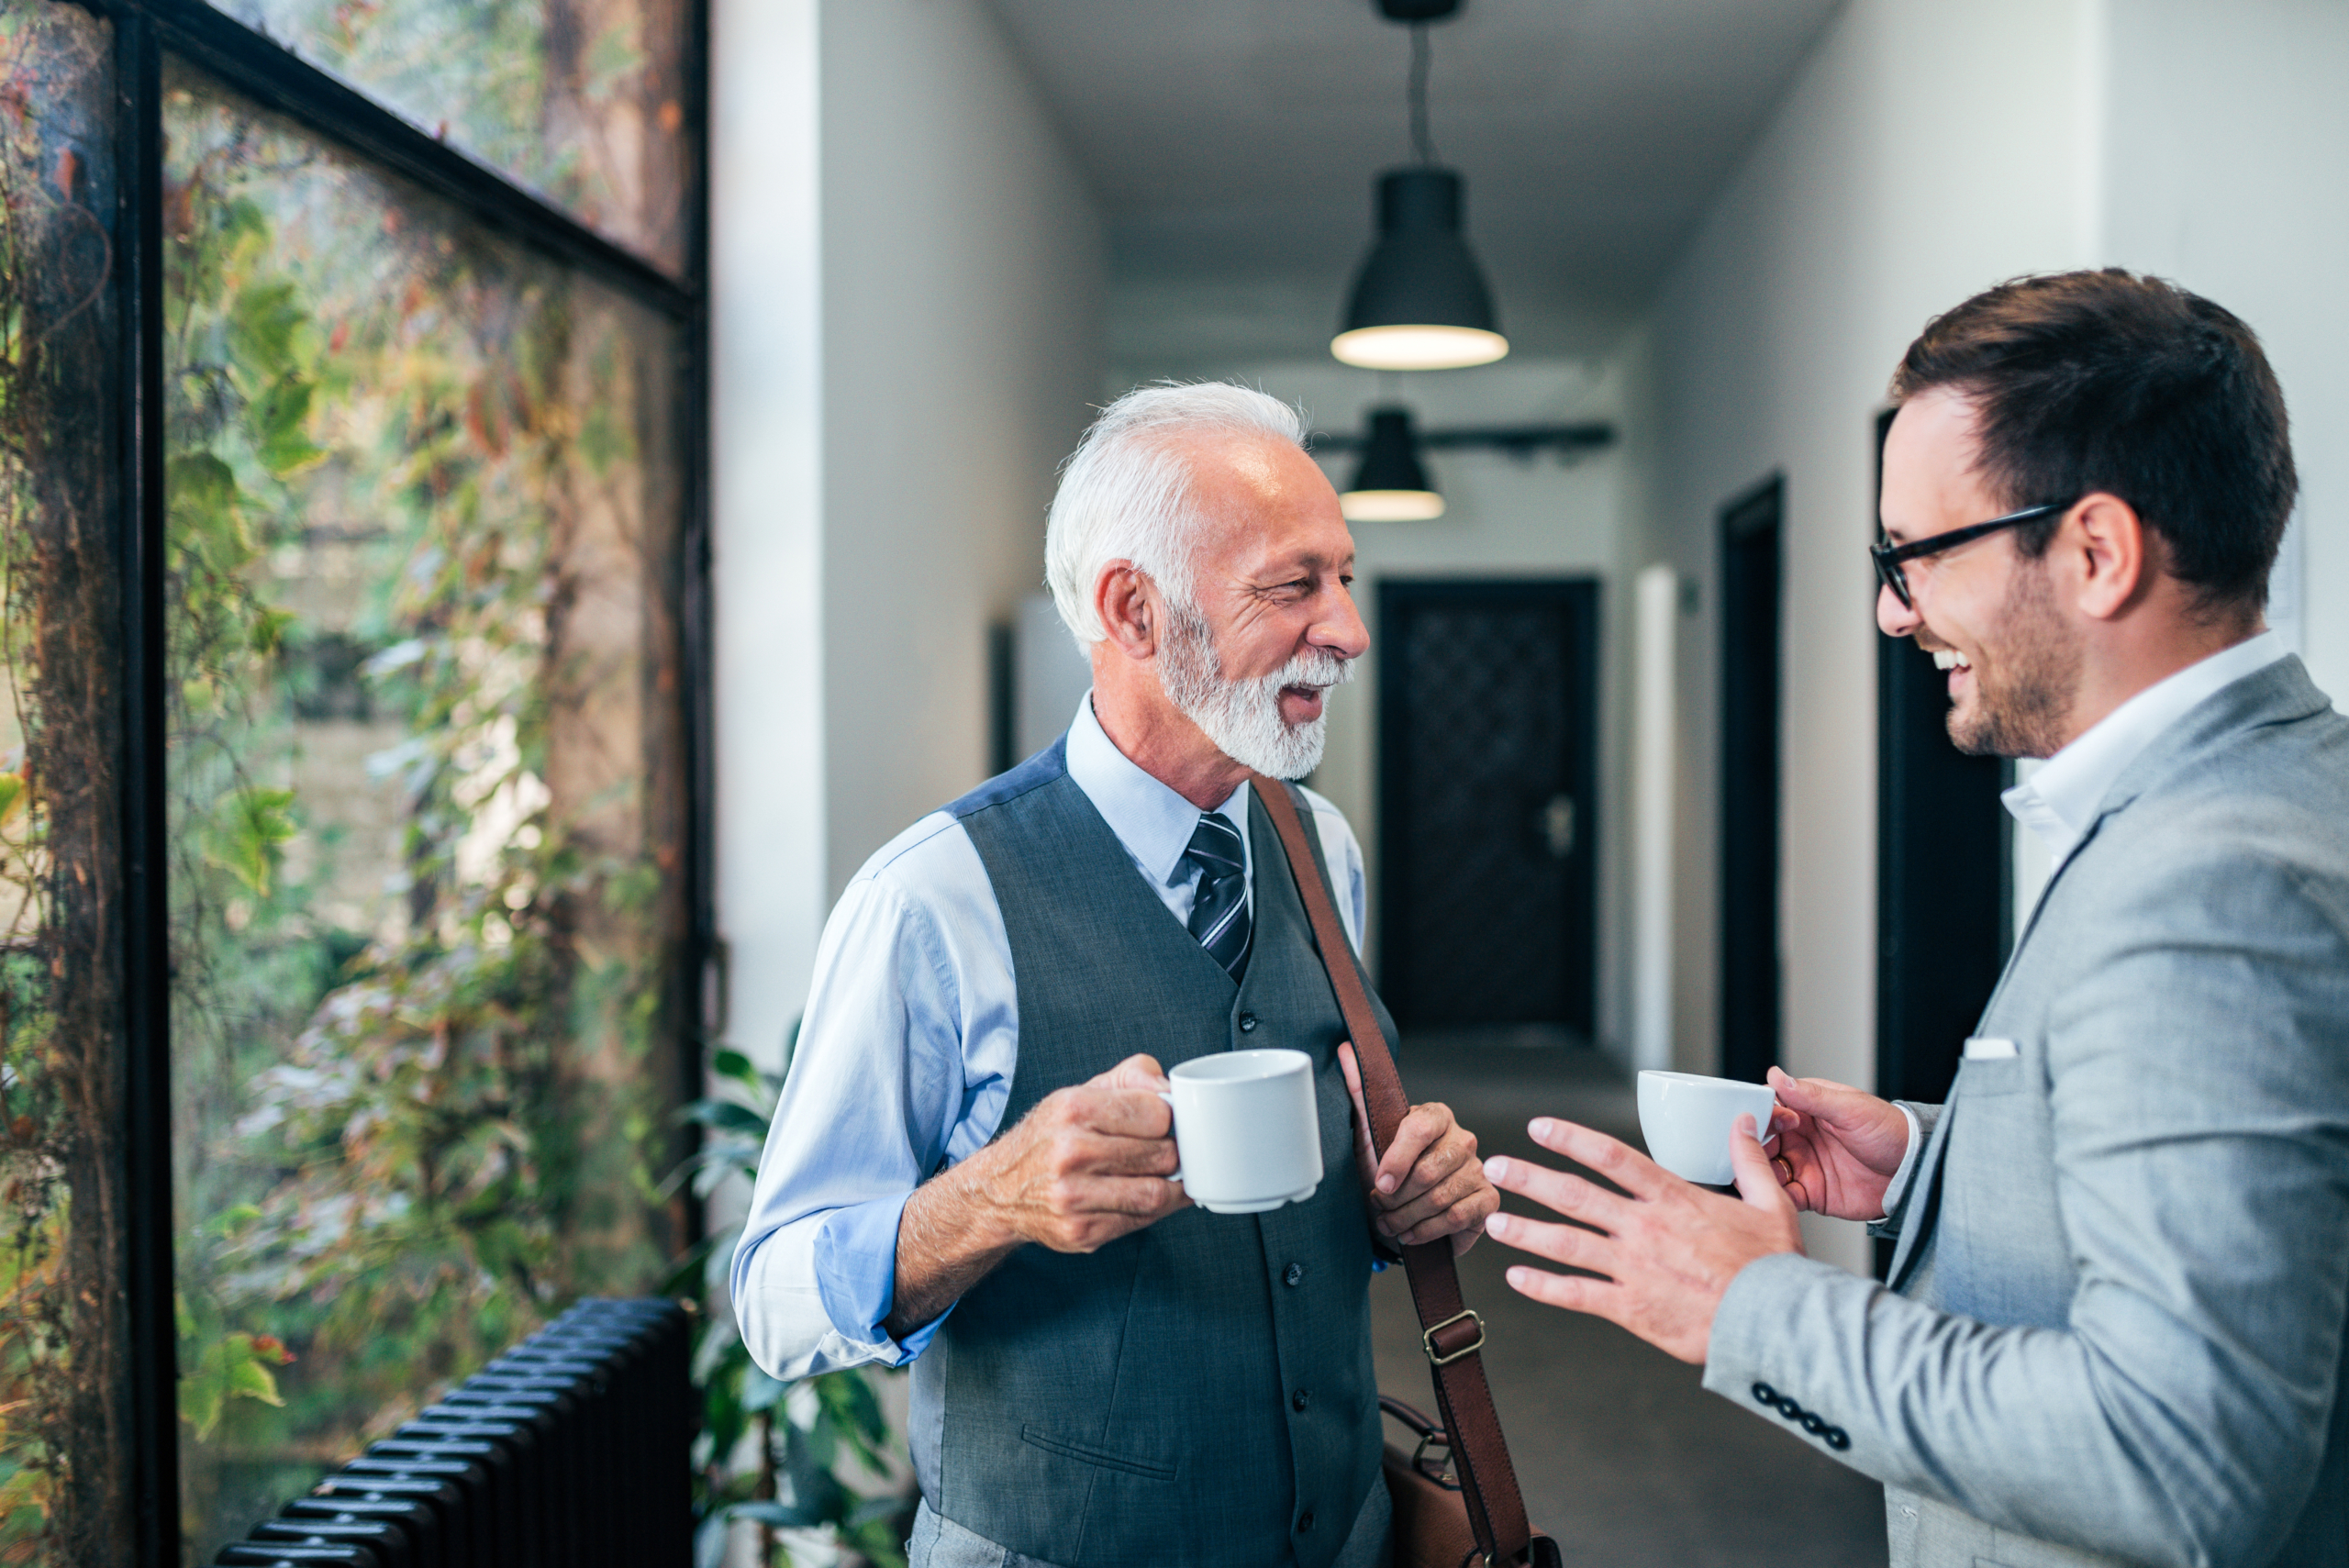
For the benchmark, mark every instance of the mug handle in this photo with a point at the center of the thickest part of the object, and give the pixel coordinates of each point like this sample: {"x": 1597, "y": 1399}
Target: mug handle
{"x": 1177, "y": 1176}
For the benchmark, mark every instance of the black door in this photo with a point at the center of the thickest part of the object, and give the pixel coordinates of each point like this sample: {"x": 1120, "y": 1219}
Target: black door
{"x": 1751, "y": 526}
{"x": 1940, "y": 874}
{"x": 1487, "y": 729}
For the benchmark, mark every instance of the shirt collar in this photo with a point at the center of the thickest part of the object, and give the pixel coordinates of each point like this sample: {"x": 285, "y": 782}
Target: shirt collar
{"x": 2059, "y": 802}
{"x": 1150, "y": 820}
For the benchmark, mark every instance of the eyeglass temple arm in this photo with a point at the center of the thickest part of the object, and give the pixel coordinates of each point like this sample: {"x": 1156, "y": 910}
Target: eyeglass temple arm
{"x": 1933, "y": 544}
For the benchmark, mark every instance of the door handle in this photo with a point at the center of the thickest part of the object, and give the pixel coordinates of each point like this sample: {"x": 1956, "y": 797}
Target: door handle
{"x": 1557, "y": 826}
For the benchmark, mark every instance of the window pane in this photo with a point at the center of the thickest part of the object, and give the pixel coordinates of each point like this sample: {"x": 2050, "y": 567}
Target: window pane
{"x": 581, "y": 100}
{"x": 64, "y": 1495}
{"x": 425, "y": 792}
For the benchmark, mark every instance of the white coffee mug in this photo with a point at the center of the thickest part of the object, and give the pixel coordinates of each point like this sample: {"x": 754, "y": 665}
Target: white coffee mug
{"x": 1687, "y": 1121}
{"x": 1246, "y": 1129}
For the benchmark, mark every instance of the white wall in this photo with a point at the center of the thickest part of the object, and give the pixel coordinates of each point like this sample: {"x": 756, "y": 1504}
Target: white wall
{"x": 907, "y": 282}
{"x": 2225, "y": 146}
{"x": 767, "y": 544}
{"x": 963, "y": 268}
{"x": 1924, "y": 152}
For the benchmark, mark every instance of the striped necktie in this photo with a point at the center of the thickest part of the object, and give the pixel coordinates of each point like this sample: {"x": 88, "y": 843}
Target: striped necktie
{"x": 1219, "y": 908}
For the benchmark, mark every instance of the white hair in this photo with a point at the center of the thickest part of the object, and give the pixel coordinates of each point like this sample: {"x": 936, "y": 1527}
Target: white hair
{"x": 1125, "y": 493}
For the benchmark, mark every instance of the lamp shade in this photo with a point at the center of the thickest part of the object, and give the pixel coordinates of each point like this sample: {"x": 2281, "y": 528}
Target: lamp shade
{"x": 1420, "y": 302}
{"x": 1389, "y": 485}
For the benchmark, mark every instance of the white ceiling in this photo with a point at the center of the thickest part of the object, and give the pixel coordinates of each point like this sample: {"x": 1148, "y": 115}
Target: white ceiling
{"x": 1233, "y": 143}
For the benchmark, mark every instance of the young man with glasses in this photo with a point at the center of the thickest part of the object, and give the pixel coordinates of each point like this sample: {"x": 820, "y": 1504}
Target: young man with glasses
{"x": 2115, "y": 1324}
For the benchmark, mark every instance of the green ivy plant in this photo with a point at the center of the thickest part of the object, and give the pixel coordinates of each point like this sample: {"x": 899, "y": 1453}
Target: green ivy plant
{"x": 412, "y": 1137}
{"x": 770, "y": 1455}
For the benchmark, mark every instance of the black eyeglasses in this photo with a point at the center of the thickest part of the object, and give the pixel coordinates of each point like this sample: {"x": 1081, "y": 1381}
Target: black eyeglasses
{"x": 1889, "y": 556}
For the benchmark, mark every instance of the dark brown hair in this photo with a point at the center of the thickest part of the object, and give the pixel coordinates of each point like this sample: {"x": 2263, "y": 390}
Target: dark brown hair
{"x": 2108, "y": 381}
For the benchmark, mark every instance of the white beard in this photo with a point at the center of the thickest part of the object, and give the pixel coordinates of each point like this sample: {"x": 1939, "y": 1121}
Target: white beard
{"x": 1243, "y": 716}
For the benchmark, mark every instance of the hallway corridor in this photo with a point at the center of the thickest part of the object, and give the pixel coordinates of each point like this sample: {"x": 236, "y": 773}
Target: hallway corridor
{"x": 1622, "y": 1454}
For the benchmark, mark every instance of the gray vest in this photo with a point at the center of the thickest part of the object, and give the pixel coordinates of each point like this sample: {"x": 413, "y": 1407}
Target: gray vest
{"x": 1199, "y": 1392}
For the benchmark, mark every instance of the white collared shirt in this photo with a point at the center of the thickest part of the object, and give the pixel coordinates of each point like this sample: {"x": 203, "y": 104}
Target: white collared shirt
{"x": 905, "y": 1054}
{"x": 2059, "y": 802}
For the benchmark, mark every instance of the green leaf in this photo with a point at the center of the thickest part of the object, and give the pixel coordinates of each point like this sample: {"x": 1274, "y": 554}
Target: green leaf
{"x": 228, "y": 1221}
{"x": 248, "y": 839}
{"x": 853, "y": 1413}
{"x": 263, "y": 325}
{"x": 267, "y": 634}
{"x": 732, "y": 1063}
{"x": 726, "y": 1116}
{"x": 279, "y": 418}
{"x": 781, "y": 1516}
{"x": 232, "y": 1367}
{"x": 709, "y": 1541}
{"x": 687, "y": 1275}
{"x": 760, "y": 1392}
{"x": 201, "y": 495}
{"x": 200, "y": 1401}
{"x": 250, "y": 1380}
{"x": 879, "y": 1540}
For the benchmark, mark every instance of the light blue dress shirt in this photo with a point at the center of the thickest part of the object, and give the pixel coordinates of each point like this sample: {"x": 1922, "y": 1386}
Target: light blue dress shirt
{"x": 905, "y": 1055}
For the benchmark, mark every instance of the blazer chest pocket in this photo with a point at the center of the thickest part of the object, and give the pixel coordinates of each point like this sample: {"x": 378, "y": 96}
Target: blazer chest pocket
{"x": 1981, "y": 1077}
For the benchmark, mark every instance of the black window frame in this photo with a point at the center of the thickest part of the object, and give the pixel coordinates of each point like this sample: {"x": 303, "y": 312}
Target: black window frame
{"x": 277, "y": 79}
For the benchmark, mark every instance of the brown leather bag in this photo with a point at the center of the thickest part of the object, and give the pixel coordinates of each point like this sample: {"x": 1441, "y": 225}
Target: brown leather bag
{"x": 1478, "y": 1517}
{"x": 1430, "y": 1521}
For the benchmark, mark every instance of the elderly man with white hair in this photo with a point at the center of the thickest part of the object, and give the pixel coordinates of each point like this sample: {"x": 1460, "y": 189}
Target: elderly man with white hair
{"x": 968, "y": 1170}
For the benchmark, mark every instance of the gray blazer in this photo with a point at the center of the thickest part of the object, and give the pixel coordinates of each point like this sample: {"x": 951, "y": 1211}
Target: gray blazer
{"x": 2117, "y": 1321}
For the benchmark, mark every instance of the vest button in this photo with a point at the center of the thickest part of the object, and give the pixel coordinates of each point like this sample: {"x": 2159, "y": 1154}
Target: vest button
{"x": 1305, "y": 1521}
{"x": 1301, "y": 1399}
{"x": 1293, "y": 1275}
{"x": 1247, "y": 1023}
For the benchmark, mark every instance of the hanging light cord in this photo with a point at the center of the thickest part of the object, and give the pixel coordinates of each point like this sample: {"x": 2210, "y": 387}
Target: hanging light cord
{"x": 1422, "y": 56}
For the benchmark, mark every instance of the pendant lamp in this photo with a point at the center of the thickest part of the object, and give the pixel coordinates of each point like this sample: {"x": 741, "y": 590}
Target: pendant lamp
{"x": 1420, "y": 302}
{"x": 1389, "y": 485}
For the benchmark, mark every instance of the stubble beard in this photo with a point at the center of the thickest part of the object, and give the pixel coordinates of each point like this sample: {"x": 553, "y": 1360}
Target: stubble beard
{"x": 2021, "y": 703}
{"x": 1243, "y": 716}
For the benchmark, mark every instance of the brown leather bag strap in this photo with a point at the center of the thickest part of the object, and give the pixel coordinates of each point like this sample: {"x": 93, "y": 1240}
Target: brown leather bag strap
{"x": 1449, "y": 1333}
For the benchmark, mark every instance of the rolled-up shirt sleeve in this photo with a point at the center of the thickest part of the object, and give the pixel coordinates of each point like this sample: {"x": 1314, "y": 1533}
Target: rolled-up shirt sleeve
{"x": 898, "y": 1074}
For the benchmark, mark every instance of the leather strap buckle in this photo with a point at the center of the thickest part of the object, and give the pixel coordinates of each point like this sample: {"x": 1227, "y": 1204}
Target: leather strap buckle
{"x": 1437, "y": 1357}
{"x": 1440, "y": 1472}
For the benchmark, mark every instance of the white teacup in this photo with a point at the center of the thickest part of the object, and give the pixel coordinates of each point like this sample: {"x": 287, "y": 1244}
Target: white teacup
{"x": 1687, "y": 1121}
{"x": 1246, "y": 1129}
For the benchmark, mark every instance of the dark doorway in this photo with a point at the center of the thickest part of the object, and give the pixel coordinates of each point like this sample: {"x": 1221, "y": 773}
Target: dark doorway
{"x": 1941, "y": 859}
{"x": 1488, "y": 735}
{"x": 1751, "y": 550}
